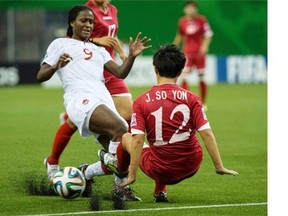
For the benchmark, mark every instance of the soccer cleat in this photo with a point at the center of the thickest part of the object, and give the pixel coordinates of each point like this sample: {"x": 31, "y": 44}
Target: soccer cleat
{"x": 161, "y": 197}
{"x": 125, "y": 194}
{"x": 51, "y": 169}
{"x": 110, "y": 161}
{"x": 89, "y": 182}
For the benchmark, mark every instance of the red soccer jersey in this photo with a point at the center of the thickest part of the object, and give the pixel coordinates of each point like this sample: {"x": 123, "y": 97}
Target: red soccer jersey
{"x": 170, "y": 116}
{"x": 193, "y": 33}
{"x": 105, "y": 23}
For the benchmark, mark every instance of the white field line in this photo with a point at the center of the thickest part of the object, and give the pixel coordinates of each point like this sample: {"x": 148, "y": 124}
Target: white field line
{"x": 153, "y": 209}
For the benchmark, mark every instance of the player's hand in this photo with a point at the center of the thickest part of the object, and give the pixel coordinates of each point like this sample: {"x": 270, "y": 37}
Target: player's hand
{"x": 106, "y": 41}
{"x": 128, "y": 181}
{"x": 137, "y": 46}
{"x": 224, "y": 171}
{"x": 64, "y": 59}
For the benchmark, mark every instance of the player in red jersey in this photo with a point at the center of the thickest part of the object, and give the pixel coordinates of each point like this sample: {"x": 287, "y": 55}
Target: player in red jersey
{"x": 170, "y": 116}
{"x": 105, "y": 34}
{"x": 195, "y": 33}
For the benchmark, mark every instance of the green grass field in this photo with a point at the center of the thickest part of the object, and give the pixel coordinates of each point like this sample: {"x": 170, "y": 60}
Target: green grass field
{"x": 237, "y": 114}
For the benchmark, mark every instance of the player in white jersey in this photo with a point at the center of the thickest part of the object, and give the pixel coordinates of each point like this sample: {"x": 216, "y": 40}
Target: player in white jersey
{"x": 83, "y": 82}
{"x": 80, "y": 63}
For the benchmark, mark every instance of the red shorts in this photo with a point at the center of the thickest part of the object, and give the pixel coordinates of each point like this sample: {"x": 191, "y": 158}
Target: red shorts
{"x": 155, "y": 170}
{"x": 195, "y": 60}
{"x": 115, "y": 86}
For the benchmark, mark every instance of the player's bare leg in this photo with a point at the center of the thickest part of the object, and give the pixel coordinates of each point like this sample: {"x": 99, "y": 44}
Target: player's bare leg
{"x": 67, "y": 129}
{"x": 183, "y": 79}
{"x": 119, "y": 166}
{"x": 62, "y": 137}
{"x": 123, "y": 105}
{"x": 104, "y": 121}
{"x": 111, "y": 127}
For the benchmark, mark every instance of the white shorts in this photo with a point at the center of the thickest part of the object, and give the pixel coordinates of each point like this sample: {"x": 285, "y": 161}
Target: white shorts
{"x": 80, "y": 108}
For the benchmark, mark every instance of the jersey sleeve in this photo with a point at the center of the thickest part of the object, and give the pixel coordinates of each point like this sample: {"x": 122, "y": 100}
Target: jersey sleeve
{"x": 200, "y": 120}
{"x": 179, "y": 27}
{"x": 114, "y": 9}
{"x": 138, "y": 119}
{"x": 105, "y": 54}
{"x": 52, "y": 54}
{"x": 207, "y": 29}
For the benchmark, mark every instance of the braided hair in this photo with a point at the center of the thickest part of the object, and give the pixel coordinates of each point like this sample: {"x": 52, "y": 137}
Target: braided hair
{"x": 73, "y": 13}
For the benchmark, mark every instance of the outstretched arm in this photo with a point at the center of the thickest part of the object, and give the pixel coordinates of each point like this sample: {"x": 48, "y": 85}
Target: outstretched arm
{"x": 205, "y": 45}
{"x": 119, "y": 48}
{"x": 212, "y": 148}
{"x": 135, "y": 48}
{"x": 134, "y": 146}
{"x": 115, "y": 43}
{"x": 177, "y": 39}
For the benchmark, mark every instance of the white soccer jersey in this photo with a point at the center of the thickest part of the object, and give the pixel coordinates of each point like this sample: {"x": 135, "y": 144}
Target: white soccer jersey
{"x": 85, "y": 71}
{"x": 82, "y": 79}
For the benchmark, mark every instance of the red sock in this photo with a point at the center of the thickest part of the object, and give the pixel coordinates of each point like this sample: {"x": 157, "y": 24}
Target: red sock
{"x": 159, "y": 187}
{"x": 184, "y": 84}
{"x": 61, "y": 140}
{"x": 123, "y": 159}
{"x": 203, "y": 91}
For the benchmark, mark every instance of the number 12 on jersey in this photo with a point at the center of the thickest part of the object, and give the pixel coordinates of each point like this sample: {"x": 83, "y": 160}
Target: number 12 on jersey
{"x": 176, "y": 137}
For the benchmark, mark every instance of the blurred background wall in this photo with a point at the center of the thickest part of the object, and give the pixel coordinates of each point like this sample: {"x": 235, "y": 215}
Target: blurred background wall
{"x": 27, "y": 27}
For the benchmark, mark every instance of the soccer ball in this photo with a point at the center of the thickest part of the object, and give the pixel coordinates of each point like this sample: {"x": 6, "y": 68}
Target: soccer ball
{"x": 69, "y": 182}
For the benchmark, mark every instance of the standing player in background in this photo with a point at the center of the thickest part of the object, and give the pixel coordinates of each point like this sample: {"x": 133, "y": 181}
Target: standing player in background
{"x": 104, "y": 34}
{"x": 170, "y": 116}
{"x": 195, "y": 33}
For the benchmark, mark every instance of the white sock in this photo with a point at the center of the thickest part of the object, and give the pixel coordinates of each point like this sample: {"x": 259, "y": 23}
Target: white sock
{"x": 94, "y": 170}
{"x": 113, "y": 147}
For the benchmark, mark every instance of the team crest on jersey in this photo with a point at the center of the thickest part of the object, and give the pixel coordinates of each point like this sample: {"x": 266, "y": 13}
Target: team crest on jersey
{"x": 85, "y": 101}
{"x": 133, "y": 120}
{"x": 191, "y": 29}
